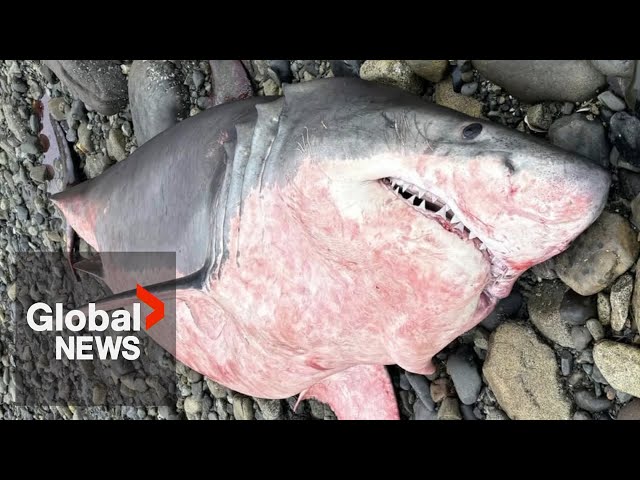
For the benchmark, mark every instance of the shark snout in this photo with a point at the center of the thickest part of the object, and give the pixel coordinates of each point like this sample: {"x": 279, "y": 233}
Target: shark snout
{"x": 562, "y": 187}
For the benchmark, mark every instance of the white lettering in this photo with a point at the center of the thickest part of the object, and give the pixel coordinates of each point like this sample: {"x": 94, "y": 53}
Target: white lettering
{"x": 46, "y": 321}
{"x": 84, "y": 343}
{"x": 131, "y": 343}
{"x": 69, "y": 350}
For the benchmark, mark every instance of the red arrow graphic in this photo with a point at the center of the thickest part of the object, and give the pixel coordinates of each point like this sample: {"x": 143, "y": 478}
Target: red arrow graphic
{"x": 154, "y": 302}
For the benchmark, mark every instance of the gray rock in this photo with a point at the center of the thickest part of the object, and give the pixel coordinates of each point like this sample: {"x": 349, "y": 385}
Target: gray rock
{"x": 198, "y": 78}
{"x": 539, "y": 80}
{"x": 595, "y": 329}
{"x": 391, "y": 72}
{"x": 193, "y": 376}
{"x": 506, "y": 308}
{"x": 421, "y": 387}
{"x": 449, "y": 409}
{"x": 580, "y": 415}
{"x": 624, "y": 133}
{"x": 628, "y": 183}
{"x": 30, "y": 148}
{"x": 158, "y": 97}
{"x": 420, "y": 412}
{"x": 576, "y": 309}
{"x": 604, "y": 308}
{"x": 545, "y": 302}
{"x": 217, "y": 390}
{"x": 271, "y": 409}
{"x": 623, "y": 397}
{"x": 589, "y": 402}
{"x": 522, "y": 373}
{"x": 609, "y": 99}
{"x": 568, "y": 108}
{"x": 15, "y": 123}
{"x": 431, "y": 70}
{"x": 463, "y": 370}
{"x": 317, "y": 409}
{"x": 539, "y": 116}
{"x": 204, "y": 102}
{"x": 495, "y": 414}
{"x": 566, "y": 363}
{"x": 76, "y": 113}
{"x": 619, "y": 162}
{"x": 466, "y": 77}
{"x": 127, "y": 130}
{"x": 271, "y": 88}
{"x": 282, "y": 69}
{"x": 18, "y": 85}
{"x": 404, "y": 382}
{"x": 100, "y": 84}
{"x": 58, "y": 108}
{"x": 620, "y": 298}
{"x": 578, "y": 135}
{"x": 619, "y": 364}
{"x": 21, "y": 212}
{"x": 345, "y": 68}
{"x": 99, "y": 394}
{"x": 96, "y": 164}
{"x": 599, "y": 256}
{"x": 469, "y": 89}
{"x": 635, "y": 211}
{"x": 597, "y": 376}
{"x": 38, "y": 173}
{"x": 193, "y": 407}
{"x": 580, "y": 337}
{"x": 85, "y": 144}
{"x": 468, "y": 412}
{"x": 631, "y": 411}
{"x": 614, "y": 68}
{"x": 116, "y": 145}
{"x": 242, "y": 407}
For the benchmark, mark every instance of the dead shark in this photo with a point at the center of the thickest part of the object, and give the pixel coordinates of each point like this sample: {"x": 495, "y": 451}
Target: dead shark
{"x": 327, "y": 233}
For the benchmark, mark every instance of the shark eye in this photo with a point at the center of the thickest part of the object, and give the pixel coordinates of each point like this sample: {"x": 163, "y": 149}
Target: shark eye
{"x": 471, "y": 131}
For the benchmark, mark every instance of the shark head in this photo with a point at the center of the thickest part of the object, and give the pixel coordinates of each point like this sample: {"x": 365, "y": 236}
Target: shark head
{"x": 429, "y": 214}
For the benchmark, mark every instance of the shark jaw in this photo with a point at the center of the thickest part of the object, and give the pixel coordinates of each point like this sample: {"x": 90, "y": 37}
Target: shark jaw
{"x": 444, "y": 212}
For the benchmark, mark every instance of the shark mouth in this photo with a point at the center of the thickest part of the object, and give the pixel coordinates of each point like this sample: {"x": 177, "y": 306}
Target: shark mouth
{"x": 434, "y": 207}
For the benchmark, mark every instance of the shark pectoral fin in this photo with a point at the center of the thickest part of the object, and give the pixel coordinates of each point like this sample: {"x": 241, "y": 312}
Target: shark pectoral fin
{"x": 92, "y": 266}
{"x": 165, "y": 291}
{"x": 363, "y": 392}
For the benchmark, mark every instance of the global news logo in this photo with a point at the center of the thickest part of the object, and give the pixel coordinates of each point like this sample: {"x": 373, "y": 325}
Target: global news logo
{"x": 86, "y": 346}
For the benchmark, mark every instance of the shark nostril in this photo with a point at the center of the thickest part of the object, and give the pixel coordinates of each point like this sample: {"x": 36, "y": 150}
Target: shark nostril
{"x": 506, "y": 160}
{"x": 509, "y": 164}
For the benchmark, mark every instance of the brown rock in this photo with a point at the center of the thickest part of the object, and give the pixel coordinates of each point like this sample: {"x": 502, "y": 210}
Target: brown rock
{"x": 446, "y": 97}
{"x": 619, "y": 365}
{"x": 523, "y": 374}
{"x": 599, "y": 256}
{"x": 431, "y": 70}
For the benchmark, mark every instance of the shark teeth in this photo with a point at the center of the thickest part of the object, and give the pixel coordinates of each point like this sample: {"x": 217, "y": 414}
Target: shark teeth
{"x": 420, "y": 198}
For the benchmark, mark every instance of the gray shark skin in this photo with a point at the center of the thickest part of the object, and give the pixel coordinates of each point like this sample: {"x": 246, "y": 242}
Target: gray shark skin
{"x": 325, "y": 234}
